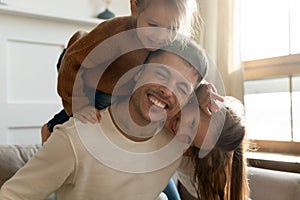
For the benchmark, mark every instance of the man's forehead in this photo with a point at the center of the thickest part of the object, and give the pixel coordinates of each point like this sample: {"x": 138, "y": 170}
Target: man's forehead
{"x": 172, "y": 61}
{"x": 181, "y": 73}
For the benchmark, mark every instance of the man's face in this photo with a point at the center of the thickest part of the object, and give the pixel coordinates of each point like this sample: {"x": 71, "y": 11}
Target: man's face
{"x": 163, "y": 87}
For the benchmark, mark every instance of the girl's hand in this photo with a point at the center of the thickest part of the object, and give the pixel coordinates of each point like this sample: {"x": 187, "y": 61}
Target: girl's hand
{"x": 88, "y": 114}
{"x": 207, "y": 98}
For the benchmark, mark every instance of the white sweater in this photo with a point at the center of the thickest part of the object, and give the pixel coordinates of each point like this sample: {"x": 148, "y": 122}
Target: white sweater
{"x": 76, "y": 164}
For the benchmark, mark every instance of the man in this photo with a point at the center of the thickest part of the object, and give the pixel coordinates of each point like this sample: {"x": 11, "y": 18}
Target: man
{"x": 127, "y": 155}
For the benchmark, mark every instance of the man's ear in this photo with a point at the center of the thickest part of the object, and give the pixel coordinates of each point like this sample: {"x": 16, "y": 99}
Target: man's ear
{"x": 133, "y": 8}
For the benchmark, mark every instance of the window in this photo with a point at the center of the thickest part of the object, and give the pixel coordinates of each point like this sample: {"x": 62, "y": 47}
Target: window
{"x": 268, "y": 99}
{"x": 295, "y": 28}
{"x": 265, "y": 28}
{"x": 296, "y": 108}
{"x": 270, "y": 50}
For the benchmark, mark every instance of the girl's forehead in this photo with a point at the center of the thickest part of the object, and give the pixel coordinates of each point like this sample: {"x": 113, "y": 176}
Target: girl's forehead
{"x": 163, "y": 11}
{"x": 172, "y": 4}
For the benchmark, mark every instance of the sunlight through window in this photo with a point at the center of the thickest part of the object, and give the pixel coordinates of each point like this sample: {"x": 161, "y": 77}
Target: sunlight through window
{"x": 264, "y": 29}
{"x": 296, "y": 107}
{"x": 267, "y": 104}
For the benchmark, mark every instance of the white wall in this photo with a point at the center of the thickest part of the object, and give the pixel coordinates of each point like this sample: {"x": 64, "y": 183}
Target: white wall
{"x": 32, "y": 35}
{"x": 70, "y": 8}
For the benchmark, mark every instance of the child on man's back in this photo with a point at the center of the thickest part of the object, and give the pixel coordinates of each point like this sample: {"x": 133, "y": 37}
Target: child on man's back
{"x": 154, "y": 23}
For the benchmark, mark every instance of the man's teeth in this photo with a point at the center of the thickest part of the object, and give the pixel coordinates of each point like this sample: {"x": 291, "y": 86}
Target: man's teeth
{"x": 157, "y": 102}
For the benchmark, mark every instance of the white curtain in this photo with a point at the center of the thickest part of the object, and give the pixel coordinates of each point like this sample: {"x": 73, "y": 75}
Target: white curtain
{"x": 219, "y": 35}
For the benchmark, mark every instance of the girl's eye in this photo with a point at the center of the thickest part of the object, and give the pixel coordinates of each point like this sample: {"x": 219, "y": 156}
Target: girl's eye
{"x": 193, "y": 124}
{"x": 173, "y": 29}
{"x": 189, "y": 140}
{"x": 184, "y": 138}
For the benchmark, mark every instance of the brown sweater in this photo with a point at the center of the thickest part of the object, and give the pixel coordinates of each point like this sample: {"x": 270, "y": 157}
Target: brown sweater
{"x": 98, "y": 60}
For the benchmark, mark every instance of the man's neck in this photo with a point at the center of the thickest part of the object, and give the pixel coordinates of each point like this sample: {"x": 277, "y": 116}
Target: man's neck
{"x": 131, "y": 128}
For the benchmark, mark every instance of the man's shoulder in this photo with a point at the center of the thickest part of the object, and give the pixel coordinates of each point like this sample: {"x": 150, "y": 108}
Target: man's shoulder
{"x": 67, "y": 126}
{"x": 74, "y": 125}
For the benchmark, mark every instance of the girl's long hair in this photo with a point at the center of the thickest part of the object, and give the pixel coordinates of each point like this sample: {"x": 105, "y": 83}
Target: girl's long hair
{"x": 221, "y": 174}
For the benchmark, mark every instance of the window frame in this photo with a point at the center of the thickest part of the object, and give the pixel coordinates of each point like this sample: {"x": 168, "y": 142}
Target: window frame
{"x": 272, "y": 67}
{"x": 283, "y": 66}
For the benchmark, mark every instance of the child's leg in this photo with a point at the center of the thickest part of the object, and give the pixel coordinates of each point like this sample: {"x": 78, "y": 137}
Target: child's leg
{"x": 47, "y": 129}
{"x": 59, "y": 118}
{"x": 45, "y": 133}
{"x": 60, "y": 58}
{"x": 62, "y": 116}
{"x": 99, "y": 99}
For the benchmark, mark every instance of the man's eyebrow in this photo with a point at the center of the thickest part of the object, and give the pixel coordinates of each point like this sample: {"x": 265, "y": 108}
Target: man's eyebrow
{"x": 164, "y": 68}
{"x": 168, "y": 71}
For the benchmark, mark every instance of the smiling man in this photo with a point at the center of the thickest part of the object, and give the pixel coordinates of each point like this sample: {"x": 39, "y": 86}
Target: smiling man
{"x": 128, "y": 155}
{"x": 164, "y": 87}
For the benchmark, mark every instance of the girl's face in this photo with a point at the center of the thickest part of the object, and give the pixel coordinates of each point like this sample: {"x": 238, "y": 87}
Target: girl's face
{"x": 189, "y": 125}
{"x": 157, "y": 24}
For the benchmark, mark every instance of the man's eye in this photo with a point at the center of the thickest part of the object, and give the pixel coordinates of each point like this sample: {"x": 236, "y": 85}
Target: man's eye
{"x": 182, "y": 90}
{"x": 160, "y": 75}
{"x": 152, "y": 24}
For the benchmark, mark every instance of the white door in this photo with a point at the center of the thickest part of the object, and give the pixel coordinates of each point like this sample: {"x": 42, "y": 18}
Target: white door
{"x": 29, "y": 49}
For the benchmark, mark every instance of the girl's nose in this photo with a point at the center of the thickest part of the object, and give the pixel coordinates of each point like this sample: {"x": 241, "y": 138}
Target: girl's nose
{"x": 161, "y": 36}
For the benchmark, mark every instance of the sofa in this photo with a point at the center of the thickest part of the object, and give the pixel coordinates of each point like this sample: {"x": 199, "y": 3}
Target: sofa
{"x": 268, "y": 184}
{"x": 13, "y": 157}
{"x": 264, "y": 184}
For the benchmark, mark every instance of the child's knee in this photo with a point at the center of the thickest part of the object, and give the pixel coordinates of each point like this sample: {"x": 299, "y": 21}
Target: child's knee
{"x": 45, "y": 133}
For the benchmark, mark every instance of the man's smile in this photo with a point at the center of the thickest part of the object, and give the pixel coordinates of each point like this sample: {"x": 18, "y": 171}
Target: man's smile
{"x": 154, "y": 100}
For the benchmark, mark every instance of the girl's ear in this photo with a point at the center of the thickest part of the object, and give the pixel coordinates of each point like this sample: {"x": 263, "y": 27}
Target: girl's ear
{"x": 133, "y": 8}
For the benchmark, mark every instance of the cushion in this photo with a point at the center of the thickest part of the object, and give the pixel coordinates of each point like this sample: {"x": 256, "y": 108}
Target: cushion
{"x": 13, "y": 157}
{"x": 275, "y": 185}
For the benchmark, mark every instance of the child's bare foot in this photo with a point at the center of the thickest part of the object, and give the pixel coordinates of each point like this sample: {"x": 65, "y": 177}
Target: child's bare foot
{"x": 45, "y": 133}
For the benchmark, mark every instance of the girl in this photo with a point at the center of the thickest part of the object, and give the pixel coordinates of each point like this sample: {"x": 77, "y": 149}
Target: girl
{"x": 216, "y": 161}
{"x": 153, "y": 23}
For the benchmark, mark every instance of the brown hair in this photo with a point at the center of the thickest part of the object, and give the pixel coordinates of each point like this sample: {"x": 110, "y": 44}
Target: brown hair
{"x": 188, "y": 12}
{"x": 221, "y": 174}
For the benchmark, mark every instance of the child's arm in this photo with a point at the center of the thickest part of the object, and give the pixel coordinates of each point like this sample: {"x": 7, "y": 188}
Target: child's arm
{"x": 88, "y": 52}
{"x": 208, "y": 97}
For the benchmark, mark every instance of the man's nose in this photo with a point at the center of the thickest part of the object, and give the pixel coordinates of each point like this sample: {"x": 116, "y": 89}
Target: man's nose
{"x": 166, "y": 90}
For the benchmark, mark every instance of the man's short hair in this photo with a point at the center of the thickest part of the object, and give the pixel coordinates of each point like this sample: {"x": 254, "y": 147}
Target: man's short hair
{"x": 189, "y": 51}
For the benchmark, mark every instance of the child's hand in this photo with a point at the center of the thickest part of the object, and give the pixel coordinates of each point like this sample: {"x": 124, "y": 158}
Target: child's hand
{"x": 88, "y": 114}
{"x": 208, "y": 97}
